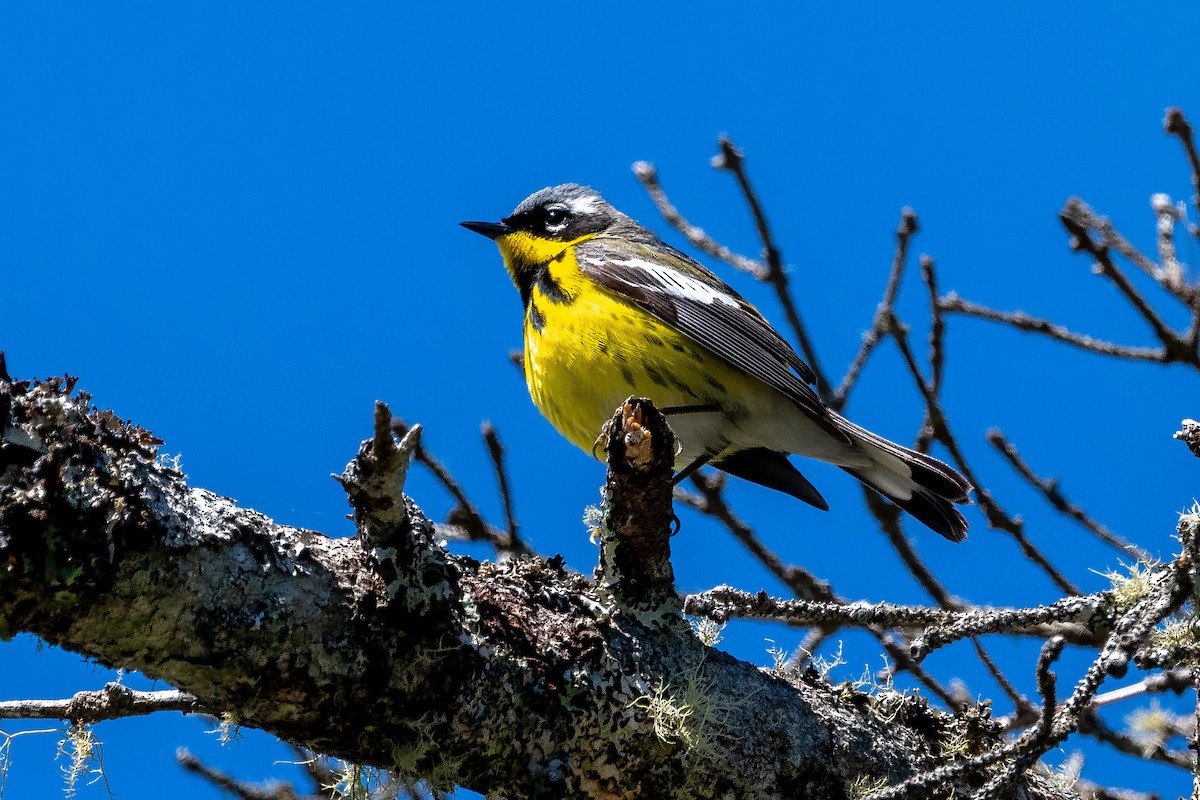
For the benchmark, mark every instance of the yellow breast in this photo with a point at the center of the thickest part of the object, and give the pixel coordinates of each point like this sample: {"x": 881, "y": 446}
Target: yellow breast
{"x": 587, "y": 350}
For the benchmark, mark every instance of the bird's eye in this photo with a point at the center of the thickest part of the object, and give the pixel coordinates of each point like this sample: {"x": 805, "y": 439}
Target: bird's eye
{"x": 556, "y": 219}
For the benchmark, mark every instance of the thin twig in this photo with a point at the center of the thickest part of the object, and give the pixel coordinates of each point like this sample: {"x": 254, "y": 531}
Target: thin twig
{"x": 496, "y": 451}
{"x": 711, "y": 501}
{"x": 888, "y": 516}
{"x": 937, "y": 327}
{"x": 464, "y": 517}
{"x": 243, "y": 790}
{"x": 996, "y": 517}
{"x": 953, "y": 304}
{"x": 725, "y": 602}
{"x": 1023, "y": 710}
{"x": 871, "y": 339}
{"x": 1177, "y": 125}
{"x": 1171, "y": 274}
{"x": 1067, "y": 615}
{"x": 732, "y": 160}
{"x": 1078, "y": 219}
{"x": 698, "y": 237}
{"x": 1049, "y": 487}
{"x": 1172, "y": 680}
{"x": 1046, "y": 681}
{"x": 937, "y": 350}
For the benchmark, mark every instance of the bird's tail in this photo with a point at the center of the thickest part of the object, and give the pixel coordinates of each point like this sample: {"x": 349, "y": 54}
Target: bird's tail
{"x": 918, "y": 483}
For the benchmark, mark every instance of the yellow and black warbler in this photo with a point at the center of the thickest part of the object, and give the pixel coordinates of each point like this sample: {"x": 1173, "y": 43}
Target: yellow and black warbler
{"x": 612, "y": 311}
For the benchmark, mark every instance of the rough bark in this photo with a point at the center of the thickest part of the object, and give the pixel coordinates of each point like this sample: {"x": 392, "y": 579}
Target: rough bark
{"x": 519, "y": 679}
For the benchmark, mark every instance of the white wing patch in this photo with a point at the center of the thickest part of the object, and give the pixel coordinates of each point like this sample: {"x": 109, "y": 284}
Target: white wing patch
{"x": 679, "y": 284}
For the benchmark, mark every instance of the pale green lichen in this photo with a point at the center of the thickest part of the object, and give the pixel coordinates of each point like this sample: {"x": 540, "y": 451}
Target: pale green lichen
{"x": 1066, "y": 775}
{"x": 708, "y": 631}
{"x": 1176, "y": 633}
{"x": 593, "y": 520}
{"x": 957, "y": 746}
{"x": 863, "y": 786}
{"x": 359, "y": 782}
{"x": 1152, "y": 726}
{"x": 685, "y": 711}
{"x": 228, "y": 730}
{"x": 1130, "y": 584}
{"x": 85, "y": 760}
{"x": 173, "y": 463}
{"x": 668, "y": 714}
{"x": 825, "y": 664}
{"x": 422, "y": 761}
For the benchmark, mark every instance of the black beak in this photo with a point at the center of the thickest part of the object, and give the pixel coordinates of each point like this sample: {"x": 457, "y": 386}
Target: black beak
{"x": 492, "y": 230}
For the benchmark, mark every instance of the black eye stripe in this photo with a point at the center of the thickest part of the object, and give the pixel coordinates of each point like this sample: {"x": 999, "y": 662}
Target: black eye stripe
{"x": 561, "y": 219}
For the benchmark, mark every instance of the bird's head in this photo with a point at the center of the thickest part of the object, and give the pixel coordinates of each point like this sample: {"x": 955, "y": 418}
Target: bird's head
{"x": 546, "y": 223}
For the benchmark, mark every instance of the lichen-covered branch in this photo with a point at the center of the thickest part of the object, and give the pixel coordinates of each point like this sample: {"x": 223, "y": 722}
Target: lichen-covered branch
{"x": 518, "y": 677}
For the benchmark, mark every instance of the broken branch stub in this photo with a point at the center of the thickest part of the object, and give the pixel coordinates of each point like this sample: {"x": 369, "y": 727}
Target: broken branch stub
{"x": 635, "y": 558}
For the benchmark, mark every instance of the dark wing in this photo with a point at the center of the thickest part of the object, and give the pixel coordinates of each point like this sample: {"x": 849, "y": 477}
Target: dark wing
{"x": 693, "y": 301}
{"x": 771, "y": 469}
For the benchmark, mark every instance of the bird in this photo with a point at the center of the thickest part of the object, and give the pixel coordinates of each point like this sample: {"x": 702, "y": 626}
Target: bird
{"x": 611, "y": 311}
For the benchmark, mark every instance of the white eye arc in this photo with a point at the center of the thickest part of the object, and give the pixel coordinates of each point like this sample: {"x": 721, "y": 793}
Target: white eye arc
{"x": 556, "y": 219}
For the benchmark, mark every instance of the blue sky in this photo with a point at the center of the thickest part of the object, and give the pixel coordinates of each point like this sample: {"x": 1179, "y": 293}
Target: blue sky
{"x": 237, "y": 225}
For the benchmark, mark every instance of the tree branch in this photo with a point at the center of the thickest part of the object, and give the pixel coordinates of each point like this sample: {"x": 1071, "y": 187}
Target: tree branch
{"x": 518, "y": 677}
{"x": 114, "y": 701}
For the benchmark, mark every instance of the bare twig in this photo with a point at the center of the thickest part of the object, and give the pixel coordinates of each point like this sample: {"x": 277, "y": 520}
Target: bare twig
{"x": 1046, "y": 682}
{"x": 114, "y": 701}
{"x": 888, "y": 516}
{"x": 1079, "y": 611}
{"x": 731, "y": 159}
{"x": 464, "y": 518}
{"x": 1079, "y": 219}
{"x": 803, "y": 583}
{"x": 937, "y": 350}
{"x": 711, "y": 501}
{"x": 1171, "y": 269}
{"x": 725, "y": 602}
{"x": 996, "y": 516}
{"x": 874, "y": 335}
{"x": 1177, "y": 125}
{"x": 243, "y": 790}
{"x": 496, "y": 451}
{"x": 953, "y": 304}
{"x": 698, "y": 237}
{"x": 1049, "y": 487}
{"x": 937, "y": 327}
{"x": 1172, "y": 680}
{"x": 1024, "y": 712}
